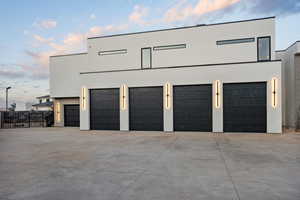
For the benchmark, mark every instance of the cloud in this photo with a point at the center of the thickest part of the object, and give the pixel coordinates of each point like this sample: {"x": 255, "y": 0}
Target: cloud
{"x": 138, "y": 15}
{"x": 73, "y": 39}
{"x": 72, "y": 42}
{"x": 273, "y": 7}
{"x": 40, "y": 75}
{"x": 40, "y": 58}
{"x": 38, "y": 69}
{"x": 11, "y": 74}
{"x": 42, "y": 39}
{"x": 92, "y": 16}
{"x": 46, "y": 24}
{"x": 94, "y": 31}
{"x": 100, "y": 30}
{"x": 183, "y": 10}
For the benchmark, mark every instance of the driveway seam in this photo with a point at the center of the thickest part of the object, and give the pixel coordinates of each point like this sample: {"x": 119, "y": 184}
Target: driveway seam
{"x": 227, "y": 168}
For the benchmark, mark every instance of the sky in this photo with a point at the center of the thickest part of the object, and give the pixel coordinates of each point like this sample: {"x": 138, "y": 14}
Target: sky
{"x": 33, "y": 30}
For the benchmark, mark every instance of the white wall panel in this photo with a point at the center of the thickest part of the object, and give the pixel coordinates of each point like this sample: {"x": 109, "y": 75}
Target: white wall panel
{"x": 64, "y": 75}
{"x": 201, "y": 46}
{"x": 251, "y": 72}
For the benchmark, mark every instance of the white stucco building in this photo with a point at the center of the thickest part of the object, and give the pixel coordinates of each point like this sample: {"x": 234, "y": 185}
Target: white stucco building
{"x": 291, "y": 85}
{"x": 209, "y": 78}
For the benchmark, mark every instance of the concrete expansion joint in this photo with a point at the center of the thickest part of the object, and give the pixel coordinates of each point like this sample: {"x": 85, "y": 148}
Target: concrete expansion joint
{"x": 227, "y": 168}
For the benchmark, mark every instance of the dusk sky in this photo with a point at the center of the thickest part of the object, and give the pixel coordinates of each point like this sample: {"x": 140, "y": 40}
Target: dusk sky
{"x": 33, "y": 30}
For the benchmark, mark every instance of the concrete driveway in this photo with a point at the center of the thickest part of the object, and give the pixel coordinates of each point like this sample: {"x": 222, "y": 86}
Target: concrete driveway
{"x": 66, "y": 164}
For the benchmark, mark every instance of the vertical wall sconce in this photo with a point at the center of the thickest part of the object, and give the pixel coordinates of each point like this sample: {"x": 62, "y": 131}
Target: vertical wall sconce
{"x": 168, "y": 96}
{"x": 217, "y": 94}
{"x": 83, "y": 98}
{"x": 274, "y": 85}
{"x": 123, "y": 97}
{"x": 58, "y": 112}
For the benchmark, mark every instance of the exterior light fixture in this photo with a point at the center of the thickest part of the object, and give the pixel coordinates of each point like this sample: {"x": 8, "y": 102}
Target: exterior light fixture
{"x": 274, "y": 86}
{"x": 58, "y": 112}
{"x": 217, "y": 94}
{"x": 167, "y": 96}
{"x": 83, "y": 98}
{"x": 7, "y": 98}
{"x": 123, "y": 97}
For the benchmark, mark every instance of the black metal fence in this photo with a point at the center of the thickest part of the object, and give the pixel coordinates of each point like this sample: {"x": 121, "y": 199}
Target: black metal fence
{"x": 26, "y": 119}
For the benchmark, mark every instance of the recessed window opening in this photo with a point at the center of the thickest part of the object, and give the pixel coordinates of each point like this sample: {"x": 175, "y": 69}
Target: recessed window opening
{"x": 146, "y": 58}
{"x": 235, "y": 41}
{"x": 112, "y": 52}
{"x": 168, "y": 47}
{"x": 264, "y": 48}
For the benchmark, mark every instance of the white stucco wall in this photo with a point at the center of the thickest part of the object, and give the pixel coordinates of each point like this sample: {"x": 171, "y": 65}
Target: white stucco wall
{"x": 37, "y": 108}
{"x": 64, "y": 75}
{"x": 289, "y": 77}
{"x": 297, "y": 87}
{"x": 201, "y": 46}
{"x": 251, "y": 72}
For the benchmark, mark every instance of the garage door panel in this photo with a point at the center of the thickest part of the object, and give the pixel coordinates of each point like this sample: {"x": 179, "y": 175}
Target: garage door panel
{"x": 193, "y": 108}
{"x": 146, "y": 108}
{"x": 245, "y": 107}
{"x": 71, "y": 115}
{"x": 104, "y": 109}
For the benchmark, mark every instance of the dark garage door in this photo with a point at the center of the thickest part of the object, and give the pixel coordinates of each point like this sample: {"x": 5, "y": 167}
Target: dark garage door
{"x": 146, "y": 108}
{"x": 104, "y": 109}
{"x": 245, "y": 107}
{"x": 192, "y": 108}
{"x": 71, "y": 115}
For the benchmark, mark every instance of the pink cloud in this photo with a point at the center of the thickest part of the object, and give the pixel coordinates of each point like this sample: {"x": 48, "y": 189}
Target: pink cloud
{"x": 71, "y": 43}
{"x": 182, "y": 11}
{"x": 138, "y": 14}
{"x": 42, "y": 39}
{"x": 94, "y": 31}
{"x": 73, "y": 39}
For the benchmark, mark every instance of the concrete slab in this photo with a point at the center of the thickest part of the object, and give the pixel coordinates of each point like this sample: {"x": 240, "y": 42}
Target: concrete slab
{"x": 64, "y": 163}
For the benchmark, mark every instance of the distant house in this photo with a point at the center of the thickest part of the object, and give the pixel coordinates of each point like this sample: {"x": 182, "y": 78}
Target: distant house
{"x": 45, "y": 103}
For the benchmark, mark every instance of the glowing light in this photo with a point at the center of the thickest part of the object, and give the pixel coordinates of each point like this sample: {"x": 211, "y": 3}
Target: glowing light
{"x": 58, "y": 112}
{"x": 83, "y": 98}
{"x": 123, "y": 97}
{"x": 274, "y": 85}
{"x": 167, "y": 96}
{"x": 217, "y": 94}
